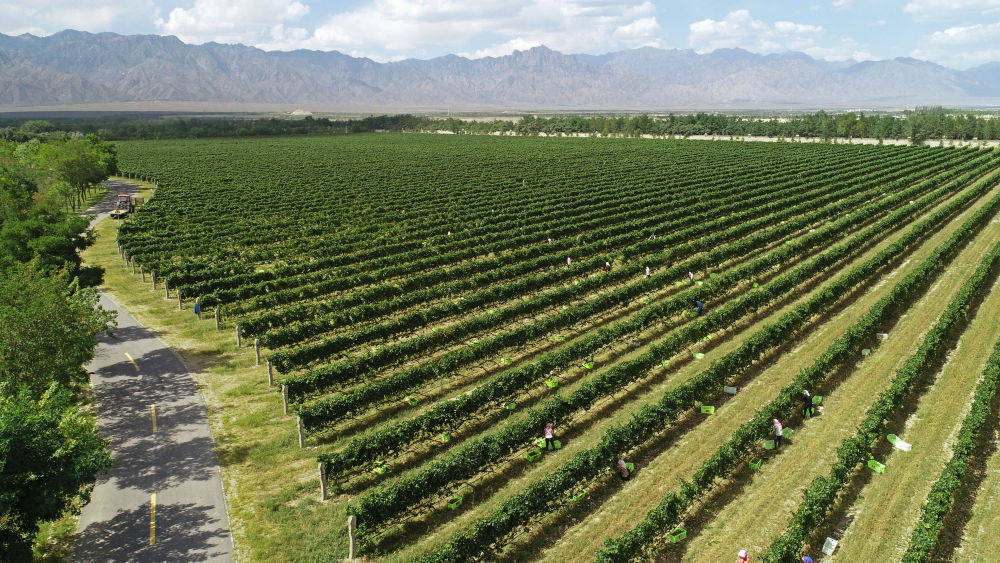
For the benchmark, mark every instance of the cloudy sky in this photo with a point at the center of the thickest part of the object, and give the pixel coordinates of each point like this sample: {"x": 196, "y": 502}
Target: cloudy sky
{"x": 957, "y": 33}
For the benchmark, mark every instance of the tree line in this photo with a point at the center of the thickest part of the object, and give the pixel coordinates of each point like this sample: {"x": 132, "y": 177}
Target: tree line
{"x": 916, "y": 125}
{"x": 50, "y": 451}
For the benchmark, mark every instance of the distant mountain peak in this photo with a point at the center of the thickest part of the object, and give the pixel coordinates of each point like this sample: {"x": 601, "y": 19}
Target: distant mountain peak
{"x": 109, "y": 68}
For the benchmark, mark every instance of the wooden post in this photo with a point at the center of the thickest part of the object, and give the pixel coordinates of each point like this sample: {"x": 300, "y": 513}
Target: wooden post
{"x": 352, "y": 522}
{"x": 180, "y": 304}
{"x": 166, "y": 289}
{"x": 322, "y": 480}
{"x": 218, "y": 317}
{"x": 239, "y": 337}
{"x": 153, "y": 275}
{"x": 133, "y": 265}
{"x": 256, "y": 349}
{"x": 270, "y": 375}
{"x": 302, "y": 432}
{"x": 284, "y": 397}
{"x": 142, "y": 273}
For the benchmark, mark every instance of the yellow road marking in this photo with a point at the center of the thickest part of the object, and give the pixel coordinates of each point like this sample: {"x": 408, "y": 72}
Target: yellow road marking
{"x": 152, "y": 410}
{"x": 152, "y": 519}
{"x": 133, "y": 361}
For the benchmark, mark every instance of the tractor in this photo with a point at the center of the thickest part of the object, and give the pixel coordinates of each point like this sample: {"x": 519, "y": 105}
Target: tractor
{"x": 123, "y": 207}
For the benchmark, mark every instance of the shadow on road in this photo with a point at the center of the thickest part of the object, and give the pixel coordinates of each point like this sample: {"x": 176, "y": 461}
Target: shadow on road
{"x": 184, "y": 532}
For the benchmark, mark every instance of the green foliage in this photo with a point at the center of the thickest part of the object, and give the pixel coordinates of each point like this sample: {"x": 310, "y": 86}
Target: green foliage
{"x": 909, "y": 382}
{"x": 50, "y": 454}
{"x": 965, "y": 449}
{"x": 937, "y": 122}
{"x": 403, "y": 493}
{"x": 488, "y": 533}
{"x": 49, "y": 328}
{"x": 744, "y": 443}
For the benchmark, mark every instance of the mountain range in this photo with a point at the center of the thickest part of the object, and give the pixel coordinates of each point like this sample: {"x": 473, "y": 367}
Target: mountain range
{"x": 73, "y": 67}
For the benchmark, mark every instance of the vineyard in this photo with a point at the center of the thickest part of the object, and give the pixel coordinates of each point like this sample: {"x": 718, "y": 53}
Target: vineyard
{"x": 417, "y": 308}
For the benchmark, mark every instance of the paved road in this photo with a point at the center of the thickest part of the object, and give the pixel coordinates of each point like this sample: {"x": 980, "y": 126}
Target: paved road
{"x": 134, "y": 374}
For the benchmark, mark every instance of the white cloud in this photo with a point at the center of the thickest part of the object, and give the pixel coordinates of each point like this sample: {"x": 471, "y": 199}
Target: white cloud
{"x": 44, "y": 18}
{"x": 384, "y": 28}
{"x": 938, "y": 9}
{"x": 254, "y": 22}
{"x": 739, "y": 29}
{"x": 842, "y": 4}
{"x": 965, "y": 35}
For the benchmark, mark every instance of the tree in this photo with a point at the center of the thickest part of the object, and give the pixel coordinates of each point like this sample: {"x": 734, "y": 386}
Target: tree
{"x": 30, "y": 229}
{"x": 50, "y": 455}
{"x": 49, "y": 328}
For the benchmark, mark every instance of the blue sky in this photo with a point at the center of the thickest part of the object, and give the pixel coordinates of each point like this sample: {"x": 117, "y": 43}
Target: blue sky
{"x": 957, "y": 33}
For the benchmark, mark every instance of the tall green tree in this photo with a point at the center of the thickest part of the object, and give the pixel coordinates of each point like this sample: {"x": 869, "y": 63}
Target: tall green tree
{"x": 49, "y": 327}
{"x": 50, "y": 455}
{"x": 30, "y": 229}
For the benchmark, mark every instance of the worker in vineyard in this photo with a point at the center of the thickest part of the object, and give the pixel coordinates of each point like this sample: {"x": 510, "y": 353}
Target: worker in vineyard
{"x": 569, "y": 261}
{"x": 550, "y": 240}
{"x": 691, "y": 275}
{"x": 550, "y": 437}
{"x": 778, "y": 431}
{"x": 806, "y": 403}
{"x": 607, "y": 266}
{"x": 742, "y": 556}
{"x": 623, "y": 470}
{"x": 647, "y": 271}
{"x": 699, "y": 305}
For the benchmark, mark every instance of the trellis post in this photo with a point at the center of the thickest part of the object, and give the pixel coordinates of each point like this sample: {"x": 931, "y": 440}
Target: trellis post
{"x": 239, "y": 337}
{"x": 302, "y": 432}
{"x": 352, "y": 522}
{"x": 322, "y": 480}
{"x": 284, "y": 398}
